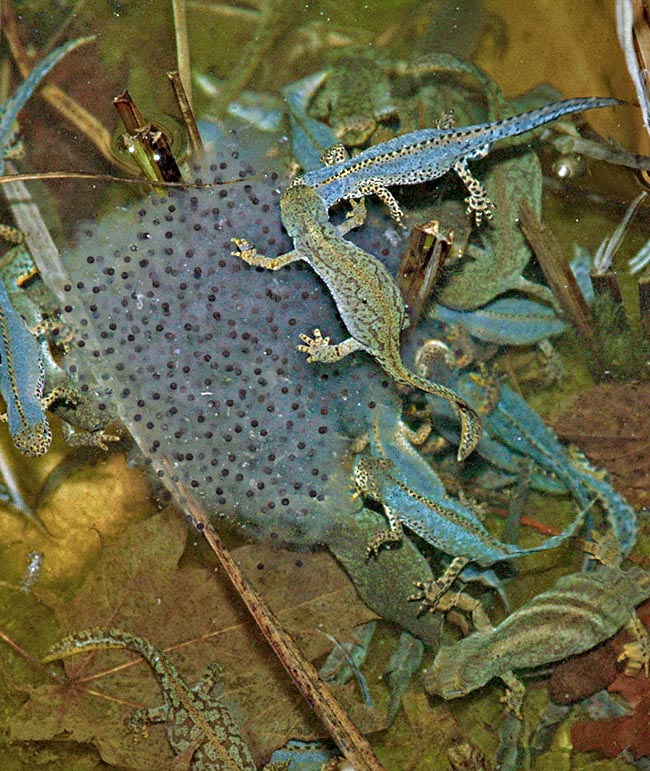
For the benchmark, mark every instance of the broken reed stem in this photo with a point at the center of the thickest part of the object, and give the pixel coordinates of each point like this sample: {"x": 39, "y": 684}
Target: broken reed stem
{"x": 426, "y": 250}
{"x": 183, "y": 48}
{"x": 558, "y": 274}
{"x": 606, "y": 285}
{"x": 193, "y": 135}
{"x": 129, "y": 112}
{"x": 347, "y": 736}
{"x": 147, "y": 143}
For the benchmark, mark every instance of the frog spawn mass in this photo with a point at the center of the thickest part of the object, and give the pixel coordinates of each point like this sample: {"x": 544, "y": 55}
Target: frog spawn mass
{"x": 199, "y": 351}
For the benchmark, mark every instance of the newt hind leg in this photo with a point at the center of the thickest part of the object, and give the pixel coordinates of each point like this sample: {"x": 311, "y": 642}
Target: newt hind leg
{"x": 478, "y": 202}
{"x": 431, "y": 592}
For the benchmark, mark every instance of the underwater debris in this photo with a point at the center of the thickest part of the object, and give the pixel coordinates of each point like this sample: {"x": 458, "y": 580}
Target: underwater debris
{"x": 625, "y": 23}
{"x": 32, "y": 571}
{"x": 610, "y": 423}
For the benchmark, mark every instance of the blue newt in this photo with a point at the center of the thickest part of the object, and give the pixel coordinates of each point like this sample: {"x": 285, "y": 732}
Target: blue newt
{"x": 423, "y": 155}
{"x": 447, "y": 525}
{"x": 22, "y": 382}
{"x": 512, "y": 429}
{"x": 391, "y": 439}
{"x": 22, "y": 373}
{"x": 83, "y": 423}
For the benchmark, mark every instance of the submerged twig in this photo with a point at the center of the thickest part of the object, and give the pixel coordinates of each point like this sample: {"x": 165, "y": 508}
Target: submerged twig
{"x": 644, "y": 306}
{"x": 347, "y": 736}
{"x": 193, "y": 135}
{"x": 183, "y": 47}
{"x": 558, "y": 274}
{"x": 7, "y": 179}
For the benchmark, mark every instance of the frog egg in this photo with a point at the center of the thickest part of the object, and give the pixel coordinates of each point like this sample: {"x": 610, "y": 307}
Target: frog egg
{"x": 199, "y": 350}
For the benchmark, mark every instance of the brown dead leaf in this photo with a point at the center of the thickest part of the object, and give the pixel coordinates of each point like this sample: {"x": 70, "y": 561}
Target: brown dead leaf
{"x": 579, "y": 677}
{"x": 193, "y": 614}
{"x": 611, "y": 424}
{"x": 612, "y": 736}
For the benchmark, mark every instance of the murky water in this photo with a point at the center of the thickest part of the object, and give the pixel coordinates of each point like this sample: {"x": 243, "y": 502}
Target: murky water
{"x": 184, "y": 363}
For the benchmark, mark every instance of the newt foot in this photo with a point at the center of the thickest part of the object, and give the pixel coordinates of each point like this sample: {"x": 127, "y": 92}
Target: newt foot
{"x": 383, "y": 537}
{"x": 636, "y": 657}
{"x": 320, "y": 348}
{"x": 244, "y": 250}
{"x": 480, "y": 206}
{"x": 422, "y": 596}
{"x": 314, "y": 346}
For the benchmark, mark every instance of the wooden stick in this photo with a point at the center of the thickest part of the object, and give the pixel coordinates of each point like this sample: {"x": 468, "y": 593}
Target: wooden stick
{"x": 193, "y": 135}
{"x": 644, "y": 306}
{"x": 347, "y": 736}
{"x": 558, "y": 274}
{"x": 183, "y": 48}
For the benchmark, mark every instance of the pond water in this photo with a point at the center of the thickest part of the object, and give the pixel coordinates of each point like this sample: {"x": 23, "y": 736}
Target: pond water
{"x": 425, "y": 587}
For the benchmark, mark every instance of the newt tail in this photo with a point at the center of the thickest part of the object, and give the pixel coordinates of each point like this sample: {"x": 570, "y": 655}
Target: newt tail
{"x": 470, "y": 423}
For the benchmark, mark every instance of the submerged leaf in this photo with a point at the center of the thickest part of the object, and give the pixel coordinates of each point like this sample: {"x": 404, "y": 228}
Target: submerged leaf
{"x": 611, "y": 424}
{"x": 194, "y": 615}
{"x": 403, "y": 664}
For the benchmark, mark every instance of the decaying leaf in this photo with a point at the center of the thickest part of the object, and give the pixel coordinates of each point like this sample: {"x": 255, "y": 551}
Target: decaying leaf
{"x": 579, "y": 677}
{"x": 193, "y": 614}
{"x": 611, "y": 736}
{"x": 611, "y": 424}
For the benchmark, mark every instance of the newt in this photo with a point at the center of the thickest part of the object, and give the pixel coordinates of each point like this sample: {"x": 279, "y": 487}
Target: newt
{"x": 365, "y": 293}
{"x": 579, "y": 612}
{"x": 22, "y": 382}
{"x": 193, "y": 717}
{"x": 424, "y": 155}
{"x": 443, "y": 522}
